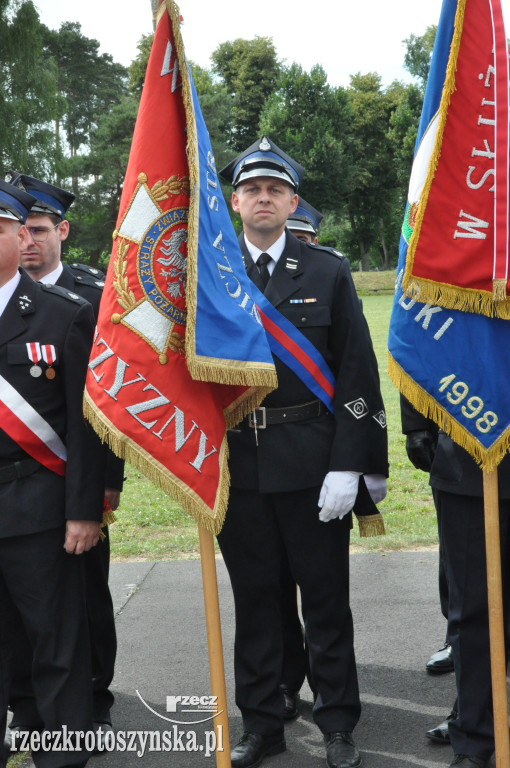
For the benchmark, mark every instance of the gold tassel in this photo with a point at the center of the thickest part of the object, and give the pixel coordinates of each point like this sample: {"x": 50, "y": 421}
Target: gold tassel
{"x": 371, "y": 525}
{"x": 499, "y": 289}
{"x": 108, "y": 518}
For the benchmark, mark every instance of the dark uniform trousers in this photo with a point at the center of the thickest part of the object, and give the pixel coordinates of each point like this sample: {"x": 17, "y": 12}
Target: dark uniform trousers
{"x": 100, "y": 613}
{"x": 259, "y": 530}
{"x": 412, "y": 421}
{"x": 273, "y": 514}
{"x": 457, "y": 484}
{"x": 43, "y": 585}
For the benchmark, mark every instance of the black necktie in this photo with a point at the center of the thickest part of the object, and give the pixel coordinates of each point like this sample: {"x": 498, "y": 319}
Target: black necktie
{"x": 262, "y": 262}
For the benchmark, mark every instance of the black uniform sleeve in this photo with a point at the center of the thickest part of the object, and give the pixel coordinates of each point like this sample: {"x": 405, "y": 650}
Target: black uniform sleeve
{"x": 361, "y": 442}
{"x": 83, "y": 495}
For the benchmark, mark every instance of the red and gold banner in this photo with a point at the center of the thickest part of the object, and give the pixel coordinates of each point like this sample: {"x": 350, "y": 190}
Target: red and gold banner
{"x": 140, "y": 396}
{"x": 458, "y": 216}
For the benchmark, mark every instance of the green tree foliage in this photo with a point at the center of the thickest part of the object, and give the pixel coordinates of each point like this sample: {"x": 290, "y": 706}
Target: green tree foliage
{"x": 249, "y": 70}
{"x": 373, "y": 188}
{"x": 28, "y": 96}
{"x": 89, "y": 84}
{"x": 138, "y": 66}
{"x": 419, "y": 53}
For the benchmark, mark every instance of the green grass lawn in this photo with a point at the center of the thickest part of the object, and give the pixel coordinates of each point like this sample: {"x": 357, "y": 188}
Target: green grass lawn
{"x": 150, "y": 526}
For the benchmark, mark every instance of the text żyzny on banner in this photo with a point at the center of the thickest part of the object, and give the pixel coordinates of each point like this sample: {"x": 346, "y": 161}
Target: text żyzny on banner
{"x": 457, "y": 218}
{"x": 453, "y": 366}
{"x": 161, "y": 390}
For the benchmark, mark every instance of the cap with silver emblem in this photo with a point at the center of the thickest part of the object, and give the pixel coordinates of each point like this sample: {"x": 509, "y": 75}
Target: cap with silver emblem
{"x": 263, "y": 158}
{"x": 48, "y": 198}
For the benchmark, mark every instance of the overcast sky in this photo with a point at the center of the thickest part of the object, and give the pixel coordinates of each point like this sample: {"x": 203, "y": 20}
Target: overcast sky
{"x": 345, "y": 38}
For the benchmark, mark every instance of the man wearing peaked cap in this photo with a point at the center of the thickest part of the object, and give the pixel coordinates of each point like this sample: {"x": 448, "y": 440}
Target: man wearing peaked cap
{"x": 265, "y": 155}
{"x": 295, "y": 470}
{"x": 48, "y": 501}
{"x": 41, "y": 258}
{"x": 304, "y": 222}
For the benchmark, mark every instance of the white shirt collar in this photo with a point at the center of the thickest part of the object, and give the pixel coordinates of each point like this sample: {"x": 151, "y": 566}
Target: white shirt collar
{"x": 275, "y": 251}
{"x": 7, "y": 290}
{"x": 52, "y": 277}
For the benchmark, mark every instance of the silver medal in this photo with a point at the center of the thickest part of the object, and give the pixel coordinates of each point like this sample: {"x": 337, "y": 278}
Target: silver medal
{"x": 35, "y": 370}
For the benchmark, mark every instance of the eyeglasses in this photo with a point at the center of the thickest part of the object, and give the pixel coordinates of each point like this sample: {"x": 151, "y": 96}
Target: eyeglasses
{"x": 40, "y": 234}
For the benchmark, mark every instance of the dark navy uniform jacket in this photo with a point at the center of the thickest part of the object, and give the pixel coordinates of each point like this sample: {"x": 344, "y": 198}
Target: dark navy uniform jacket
{"x": 44, "y": 500}
{"x": 88, "y": 283}
{"x": 298, "y": 455}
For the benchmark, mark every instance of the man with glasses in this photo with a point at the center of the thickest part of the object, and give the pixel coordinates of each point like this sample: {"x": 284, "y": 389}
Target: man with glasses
{"x": 41, "y": 258}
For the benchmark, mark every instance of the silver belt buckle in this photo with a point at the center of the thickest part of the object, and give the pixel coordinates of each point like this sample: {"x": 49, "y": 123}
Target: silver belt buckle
{"x": 253, "y": 418}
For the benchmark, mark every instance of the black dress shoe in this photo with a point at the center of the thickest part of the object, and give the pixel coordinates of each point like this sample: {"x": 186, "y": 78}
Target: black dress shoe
{"x": 253, "y": 748}
{"x": 442, "y": 661}
{"x": 291, "y": 703}
{"x": 341, "y": 752}
{"x": 469, "y": 761}
{"x": 101, "y": 729}
{"x": 440, "y": 733}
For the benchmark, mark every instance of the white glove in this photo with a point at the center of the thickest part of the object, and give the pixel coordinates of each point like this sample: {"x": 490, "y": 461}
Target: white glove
{"x": 338, "y": 494}
{"x": 376, "y": 486}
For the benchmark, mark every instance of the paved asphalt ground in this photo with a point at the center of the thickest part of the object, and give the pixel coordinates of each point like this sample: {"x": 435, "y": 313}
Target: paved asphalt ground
{"x": 163, "y": 652}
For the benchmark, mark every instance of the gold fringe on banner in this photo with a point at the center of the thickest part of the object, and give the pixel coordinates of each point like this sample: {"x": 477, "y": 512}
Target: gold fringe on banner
{"x": 493, "y": 304}
{"x": 371, "y": 525}
{"x": 211, "y": 520}
{"x": 487, "y": 458}
{"x": 232, "y": 372}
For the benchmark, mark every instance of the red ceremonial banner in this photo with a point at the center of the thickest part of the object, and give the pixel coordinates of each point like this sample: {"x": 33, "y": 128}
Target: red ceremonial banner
{"x": 139, "y": 394}
{"x": 458, "y": 210}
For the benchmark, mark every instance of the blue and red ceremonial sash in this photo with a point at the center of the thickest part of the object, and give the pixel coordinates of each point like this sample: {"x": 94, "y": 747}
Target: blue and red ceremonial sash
{"x": 29, "y": 430}
{"x": 452, "y": 365}
{"x": 296, "y": 351}
{"x": 219, "y": 280}
{"x": 457, "y": 219}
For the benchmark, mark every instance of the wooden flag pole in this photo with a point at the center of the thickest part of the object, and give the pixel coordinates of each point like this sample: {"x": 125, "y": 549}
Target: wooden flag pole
{"x": 496, "y": 631}
{"x": 215, "y": 646}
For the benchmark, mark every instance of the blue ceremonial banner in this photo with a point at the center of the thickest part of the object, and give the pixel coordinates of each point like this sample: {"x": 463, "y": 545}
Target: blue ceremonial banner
{"x": 227, "y": 314}
{"x": 453, "y": 366}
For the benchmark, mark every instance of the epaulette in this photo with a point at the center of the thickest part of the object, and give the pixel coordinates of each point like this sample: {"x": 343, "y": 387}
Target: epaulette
{"x": 88, "y": 275}
{"x": 332, "y": 251}
{"x": 64, "y": 293}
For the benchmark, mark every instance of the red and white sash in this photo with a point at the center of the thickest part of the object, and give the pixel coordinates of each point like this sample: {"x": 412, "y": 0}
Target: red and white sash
{"x": 29, "y": 430}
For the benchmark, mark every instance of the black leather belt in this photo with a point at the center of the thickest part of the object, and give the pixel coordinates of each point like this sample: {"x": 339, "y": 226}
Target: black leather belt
{"x": 18, "y": 469}
{"x": 262, "y": 417}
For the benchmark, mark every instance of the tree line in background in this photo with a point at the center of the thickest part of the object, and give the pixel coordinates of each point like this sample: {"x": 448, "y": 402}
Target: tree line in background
{"x": 68, "y": 115}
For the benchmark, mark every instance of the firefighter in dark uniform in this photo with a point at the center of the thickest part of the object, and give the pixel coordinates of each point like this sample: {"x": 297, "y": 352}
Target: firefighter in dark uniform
{"x": 294, "y": 478}
{"x": 42, "y": 260}
{"x": 51, "y": 508}
{"x": 457, "y": 483}
{"x": 304, "y": 223}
